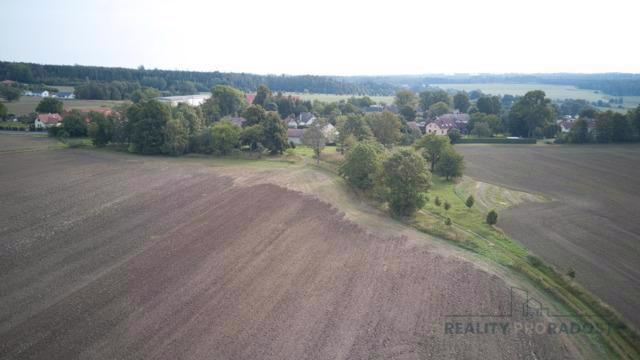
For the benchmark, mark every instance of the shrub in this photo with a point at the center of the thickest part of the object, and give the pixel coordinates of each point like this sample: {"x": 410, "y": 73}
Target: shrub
{"x": 534, "y": 261}
{"x": 447, "y": 206}
{"x": 448, "y": 221}
{"x": 470, "y": 201}
{"x": 363, "y": 165}
{"x": 437, "y": 201}
{"x": 492, "y": 217}
{"x": 571, "y": 273}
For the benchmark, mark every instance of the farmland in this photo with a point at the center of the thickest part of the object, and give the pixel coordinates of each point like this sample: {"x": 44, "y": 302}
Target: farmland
{"x": 589, "y": 225}
{"x": 110, "y": 255}
{"x": 337, "y": 97}
{"x": 554, "y": 92}
{"x": 27, "y": 104}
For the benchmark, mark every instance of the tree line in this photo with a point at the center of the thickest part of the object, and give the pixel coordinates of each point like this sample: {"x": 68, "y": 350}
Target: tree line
{"x": 109, "y": 82}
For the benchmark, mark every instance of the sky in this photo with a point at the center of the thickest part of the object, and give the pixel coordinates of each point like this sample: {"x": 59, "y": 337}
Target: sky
{"x": 328, "y": 37}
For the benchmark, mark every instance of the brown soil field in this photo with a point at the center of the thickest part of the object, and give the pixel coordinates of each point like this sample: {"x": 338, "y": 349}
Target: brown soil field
{"x": 592, "y": 223}
{"x": 105, "y": 255}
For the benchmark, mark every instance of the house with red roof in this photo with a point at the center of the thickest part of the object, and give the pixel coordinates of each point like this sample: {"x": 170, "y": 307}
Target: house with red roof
{"x": 44, "y": 121}
{"x": 250, "y": 98}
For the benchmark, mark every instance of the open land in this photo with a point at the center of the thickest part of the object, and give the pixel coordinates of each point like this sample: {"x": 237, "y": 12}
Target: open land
{"x": 108, "y": 255}
{"x": 27, "y": 104}
{"x": 555, "y": 92}
{"x": 590, "y": 224}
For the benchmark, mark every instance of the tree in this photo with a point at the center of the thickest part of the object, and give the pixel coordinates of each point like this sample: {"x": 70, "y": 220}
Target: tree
{"x": 437, "y": 201}
{"x": 621, "y": 130}
{"x": 454, "y": 135}
{"x": 356, "y": 125}
{"x": 140, "y": 95}
{"x": 451, "y": 164}
{"x": 3, "y": 111}
{"x": 385, "y": 127}
{"x": 432, "y": 147}
{"x": 406, "y": 176}
{"x": 634, "y": 118}
{"x": 530, "y": 111}
{"x": 589, "y": 112}
{"x": 363, "y": 164}
{"x": 275, "y": 133}
{"x": 492, "y": 217}
{"x": 438, "y": 109}
{"x": 481, "y": 130}
{"x": 225, "y": 137}
{"x": 10, "y": 93}
{"x": 224, "y": 101}
{"x": 252, "y": 136}
{"x": 192, "y": 116}
{"x": 100, "y": 129}
{"x": 448, "y": 221}
{"x": 176, "y": 138}
{"x": 50, "y": 105}
{"x": 147, "y": 122}
{"x": 489, "y": 104}
{"x": 254, "y": 114}
{"x": 470, "y": 201}
{"x": 408, "y": 113}
{"x": 74, "y": 124}
{"x": 262, "y": 96}
{"x": 405, "y": 98}
{"x": 447, "y": 206}
{"x": 461, "y": 102}
{"x": 430, "y": 97}
{"x": 579, "y": 133}
{"x": 314, "y": 138}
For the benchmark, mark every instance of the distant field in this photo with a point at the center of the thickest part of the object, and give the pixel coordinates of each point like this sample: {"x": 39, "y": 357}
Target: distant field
{"x": 336, "y": 97}
{"x": 27, "y": 104}
{"x": 552, "y": 91}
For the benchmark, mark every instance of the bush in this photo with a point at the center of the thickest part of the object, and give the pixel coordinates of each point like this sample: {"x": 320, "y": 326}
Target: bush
{"x": 447, "y": 206}
{"x": 534, "y": 260}
{"x": 225, "y": 137}
{"x": 437, "y": 201}
{"x": 74, "y": 124}
{"x": 492, "y": 217}
{"x": 470, "y": 201}
{"x": 571, "y": 273}
{"x": 448, "y": 221}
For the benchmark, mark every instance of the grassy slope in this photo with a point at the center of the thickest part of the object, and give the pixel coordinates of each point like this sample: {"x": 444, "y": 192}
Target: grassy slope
{"x": 27, "y": 104}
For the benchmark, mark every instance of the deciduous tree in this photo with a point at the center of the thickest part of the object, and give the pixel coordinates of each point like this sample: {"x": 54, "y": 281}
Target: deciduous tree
{"x": 406, "y": 176}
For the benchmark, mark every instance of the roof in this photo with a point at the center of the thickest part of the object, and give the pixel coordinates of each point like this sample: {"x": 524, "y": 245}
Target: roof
{"x": 306, "y": 116}
{"x": 295, "y": 133}
{"x": 445, "y": 123}
{"x": 238, "y": 121}
{"x": 8, "y": 82}
{"x": 455, "y": 117}
{"x": 414, "y": 125}
{"x": 64, "y": 94}
{"x": 250, "y": 98}
{"x": 49, "y": 118}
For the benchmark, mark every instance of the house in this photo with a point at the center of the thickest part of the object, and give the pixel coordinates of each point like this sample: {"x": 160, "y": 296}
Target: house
{"x": 565, "y": 126}
{"x": 290, "y": 122}
{"x": 373, "y": 108}
{"x": 250, "y": 98}
{"x": 295, "y": 135}
{"x": 44, "y": 93}
{"x": 306, "y": 119}
{"x": 238, "y": 121}
{"x": 440, "y": 126}
{"x": 44, "y": 121}
{"x": 65, "y": 95}
{"x": 8, "y": 82}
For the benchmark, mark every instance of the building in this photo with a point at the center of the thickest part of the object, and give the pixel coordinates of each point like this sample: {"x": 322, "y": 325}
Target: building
{"x": 193, "y": 100}
{"x": 238, "y": 121}
{"x": 290, "y": 122}
{"x": 65, "y": 95}
{"x": 306, "y": 119}
{"x": 44, "y": 93}
{"x": 250, "y": 97}
{"x": 295, "y": 135}
{"x": 440, "y": 126}
{"x": 44, "y": 121}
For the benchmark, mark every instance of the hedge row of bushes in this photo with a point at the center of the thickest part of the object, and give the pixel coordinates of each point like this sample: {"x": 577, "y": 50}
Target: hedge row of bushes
{"x": 496, "y": 141}
{"x": 10, "y": 125}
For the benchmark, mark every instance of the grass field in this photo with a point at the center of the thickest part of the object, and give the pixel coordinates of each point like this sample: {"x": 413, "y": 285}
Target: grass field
{"x": 28, "y": 104}
{"x": 553, "y": 91}
{"x": 335, "y": 97}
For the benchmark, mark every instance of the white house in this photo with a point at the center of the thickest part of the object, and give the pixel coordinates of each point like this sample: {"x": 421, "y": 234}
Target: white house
{"x": 193, "y": 100}
{"x": 440, "y": 126}
{"x": 65, "y": 95}
{"x": 44, "y": 93}
{"x": 306, "y": 119}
